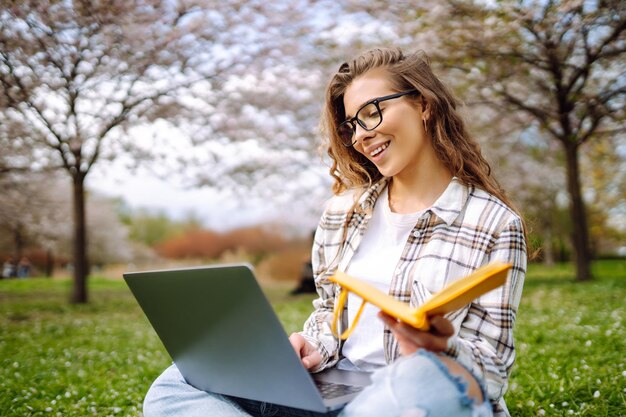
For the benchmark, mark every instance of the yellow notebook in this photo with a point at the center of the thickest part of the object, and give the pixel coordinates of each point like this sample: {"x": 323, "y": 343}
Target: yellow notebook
{"x": 456, "y": 295}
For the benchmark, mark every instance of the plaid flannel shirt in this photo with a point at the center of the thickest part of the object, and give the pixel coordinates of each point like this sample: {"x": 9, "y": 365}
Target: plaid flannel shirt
{"x": 464, "y": 229}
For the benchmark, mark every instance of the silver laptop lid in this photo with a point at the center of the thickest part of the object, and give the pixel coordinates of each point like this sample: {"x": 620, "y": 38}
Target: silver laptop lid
{"x": 223, "y": 334}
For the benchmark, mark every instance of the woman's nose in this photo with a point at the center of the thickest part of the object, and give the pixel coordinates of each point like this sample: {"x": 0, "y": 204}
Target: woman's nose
{"x": 361, "y": 135}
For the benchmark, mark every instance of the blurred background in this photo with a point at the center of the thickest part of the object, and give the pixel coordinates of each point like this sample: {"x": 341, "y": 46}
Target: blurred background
{"x": 150, "y": 134}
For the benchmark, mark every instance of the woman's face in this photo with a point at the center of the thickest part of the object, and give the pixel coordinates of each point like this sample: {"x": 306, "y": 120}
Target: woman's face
{"x": 399, "y": 145}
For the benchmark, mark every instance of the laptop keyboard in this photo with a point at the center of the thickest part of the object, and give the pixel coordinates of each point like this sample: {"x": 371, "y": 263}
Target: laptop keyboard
{"x": 331, "y": 390}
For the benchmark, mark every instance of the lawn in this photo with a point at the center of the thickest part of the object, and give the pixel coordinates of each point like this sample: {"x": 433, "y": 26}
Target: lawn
{"x": 99, "y": 359}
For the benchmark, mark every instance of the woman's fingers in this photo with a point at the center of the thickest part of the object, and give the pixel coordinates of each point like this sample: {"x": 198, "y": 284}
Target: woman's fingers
{"x": 442, "y": 326}
{"x": 309, "y": 356}
{"x": 410, "y": 339}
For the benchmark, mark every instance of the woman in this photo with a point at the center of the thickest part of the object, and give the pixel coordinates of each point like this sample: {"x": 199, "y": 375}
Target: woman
{"x": 415, "y": 208}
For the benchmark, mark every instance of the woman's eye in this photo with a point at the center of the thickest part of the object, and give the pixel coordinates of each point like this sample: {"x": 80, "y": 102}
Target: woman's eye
{"x": 372, "y": 112}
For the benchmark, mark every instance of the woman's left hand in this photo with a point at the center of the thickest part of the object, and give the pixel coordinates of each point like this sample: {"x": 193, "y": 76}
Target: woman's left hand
{"x": 410, "y": 339}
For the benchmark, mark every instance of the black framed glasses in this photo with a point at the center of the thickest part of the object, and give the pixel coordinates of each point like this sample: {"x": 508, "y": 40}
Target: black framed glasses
{"x": 369, "y": 117}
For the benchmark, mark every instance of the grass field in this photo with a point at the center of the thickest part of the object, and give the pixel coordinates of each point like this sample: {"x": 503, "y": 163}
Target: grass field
{"x": 99, "y": 359}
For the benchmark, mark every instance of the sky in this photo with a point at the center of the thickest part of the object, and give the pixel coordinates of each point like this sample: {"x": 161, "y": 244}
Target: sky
{"x": 143, "y": 189}
{"x": 217, "y": 210}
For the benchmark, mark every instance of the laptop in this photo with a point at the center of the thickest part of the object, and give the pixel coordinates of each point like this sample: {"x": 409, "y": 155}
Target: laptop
{"x": 224, "y": 337}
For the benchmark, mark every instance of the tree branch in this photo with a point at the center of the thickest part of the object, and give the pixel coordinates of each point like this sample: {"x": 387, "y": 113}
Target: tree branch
{"x": 592, "y": 56}
{"x": 536, "y": 112}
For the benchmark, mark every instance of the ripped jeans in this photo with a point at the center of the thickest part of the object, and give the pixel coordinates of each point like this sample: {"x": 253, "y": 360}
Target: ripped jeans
{"x": 418, "y": 385}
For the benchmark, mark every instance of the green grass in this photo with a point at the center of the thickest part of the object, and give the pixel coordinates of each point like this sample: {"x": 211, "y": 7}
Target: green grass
{"x": 571, "y": 344}
{"x": 58, "y": 359}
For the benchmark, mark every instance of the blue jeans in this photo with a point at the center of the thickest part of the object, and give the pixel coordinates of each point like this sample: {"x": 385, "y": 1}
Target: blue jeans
{"x": 171, "y": 396}
{"x": 418, "y": 385}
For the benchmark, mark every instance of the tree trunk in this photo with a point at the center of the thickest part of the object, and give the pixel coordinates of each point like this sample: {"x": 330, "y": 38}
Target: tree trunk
{"x": 79, "y": 292}
{"x": 580, "y": 231}
{"x": 49, "y": 263}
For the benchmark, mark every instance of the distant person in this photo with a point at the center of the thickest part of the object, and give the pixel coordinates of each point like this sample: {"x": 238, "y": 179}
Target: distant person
{"x": 8, "y": 268}
{"x": 306, "y": 282}
{"x": 415, "y": 208}
{"x": 23, "y": 268}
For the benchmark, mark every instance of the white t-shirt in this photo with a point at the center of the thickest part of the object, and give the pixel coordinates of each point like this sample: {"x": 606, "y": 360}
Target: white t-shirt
{"x": 374, "y": 262}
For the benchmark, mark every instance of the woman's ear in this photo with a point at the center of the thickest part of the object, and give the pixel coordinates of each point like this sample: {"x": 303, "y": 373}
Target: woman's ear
{"x": 425, "y": 113}
{"x": 425, "y": 110}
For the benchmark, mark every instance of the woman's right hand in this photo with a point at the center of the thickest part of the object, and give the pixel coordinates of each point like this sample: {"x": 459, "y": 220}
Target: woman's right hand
{"x": 307, "y": 353}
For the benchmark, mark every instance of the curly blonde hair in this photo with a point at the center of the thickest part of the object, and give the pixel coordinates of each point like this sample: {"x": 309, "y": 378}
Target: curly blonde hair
{"x": 453, "y": 144}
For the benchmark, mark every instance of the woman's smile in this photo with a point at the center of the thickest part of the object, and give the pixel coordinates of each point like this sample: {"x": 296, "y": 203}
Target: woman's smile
{"x": 376, "y": 151}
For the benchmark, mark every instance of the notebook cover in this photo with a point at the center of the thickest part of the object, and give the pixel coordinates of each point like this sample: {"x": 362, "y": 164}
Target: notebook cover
{"x": 452, "y": 297}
